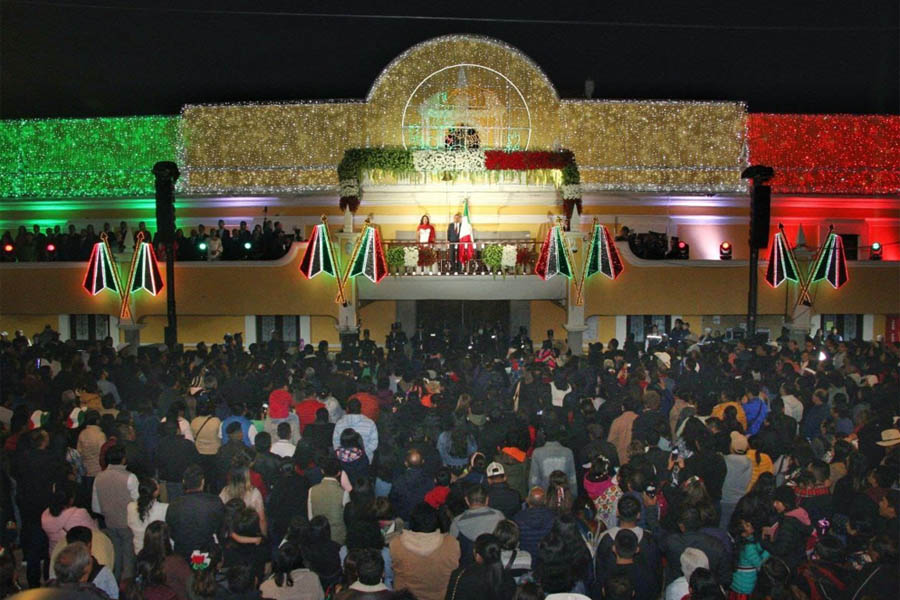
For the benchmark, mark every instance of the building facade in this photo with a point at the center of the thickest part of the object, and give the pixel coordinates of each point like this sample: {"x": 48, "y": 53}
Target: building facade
{"x": 456, "y": 121}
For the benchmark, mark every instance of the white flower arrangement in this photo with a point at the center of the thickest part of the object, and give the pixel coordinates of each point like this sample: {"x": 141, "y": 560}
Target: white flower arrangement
{"x": 509, "y": 256}
{"x": 448, "y": 160}
{"x": 349, "y": 187}
{"x": 411, "y": 256}
{"x": 571, "y": 191}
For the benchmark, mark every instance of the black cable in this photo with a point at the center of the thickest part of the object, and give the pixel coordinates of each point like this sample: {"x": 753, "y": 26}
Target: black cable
{"x": 520, "y": 21}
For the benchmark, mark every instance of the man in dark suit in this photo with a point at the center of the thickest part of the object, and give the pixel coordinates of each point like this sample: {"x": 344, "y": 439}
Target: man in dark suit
{"x": 453, "y": 239}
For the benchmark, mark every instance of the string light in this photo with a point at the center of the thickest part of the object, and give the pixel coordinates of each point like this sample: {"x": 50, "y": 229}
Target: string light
{"x": 828, "y": 154}
{"x": 64, "y": 158}
{"x": 619, "y": 145}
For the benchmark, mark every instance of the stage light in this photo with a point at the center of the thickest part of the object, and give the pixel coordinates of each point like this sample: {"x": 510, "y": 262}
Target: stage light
{"x": 201, "y": 246}
{"x": 683, "y": 250}
{"x": 8, "y": 248}
{"x": 876, "y": 251}
{"x": 51, "y": 247}
{"x": 248, "y": 246}
{"x": 725, "y": 251}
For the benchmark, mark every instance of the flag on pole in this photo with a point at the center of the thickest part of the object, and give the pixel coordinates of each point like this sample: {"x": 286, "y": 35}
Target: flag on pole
{"x": 466, "y": 237}
{"x": 369, "y": 258}
{"x": 101, "y": 272}
{"x": 554, "y": 258}
{"x": 832, "y": 264}
{"x": 782, "y": 264}
{"x": 603, "y": 256}
{"x": 319, "y": 255}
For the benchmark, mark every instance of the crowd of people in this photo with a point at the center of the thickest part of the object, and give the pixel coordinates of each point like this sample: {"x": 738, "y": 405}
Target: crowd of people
{"x": 456, "y": 469}
{"x": 267, "y": 241}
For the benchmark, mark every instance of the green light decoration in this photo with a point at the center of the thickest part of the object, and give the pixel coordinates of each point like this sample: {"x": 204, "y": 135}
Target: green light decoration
{"x": 67, "y": 158}
{"x": 368, "y": 260}
{"x": 832, "y": 264}
{"x": 782, "y": 263}
{"x": 554, "y": 258}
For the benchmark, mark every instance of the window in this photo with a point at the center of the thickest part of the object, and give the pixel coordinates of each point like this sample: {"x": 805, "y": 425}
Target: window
{"x": 849, "y": 327}
{"x": 642, "y": 325}
{"x": 851, "y": 245}
{"x": 287, "y": 325}
{"x": 88, "y": 328}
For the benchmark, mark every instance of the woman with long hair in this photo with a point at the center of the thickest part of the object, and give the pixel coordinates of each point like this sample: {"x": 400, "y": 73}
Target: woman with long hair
{"x": 559, "y": 496}
{"x": 703, "y": 585}
{"x": 352, "y": 456}
{"x": 289, "y": 579}
{"x": 157, "y": 548}
{"x": 145, "y": 510}
{"x": 245, "y": 544}
{"x": 61, "y": 515}
{"x": 320, "y": 553}
{"x": 564, "y": 559}
{"x": 207, "y": 581}
{"x": 425, "y": 231}
{"x": 239, "y": 487}
{"x": 149, "y": 581}
{"x": 485, "y": 579}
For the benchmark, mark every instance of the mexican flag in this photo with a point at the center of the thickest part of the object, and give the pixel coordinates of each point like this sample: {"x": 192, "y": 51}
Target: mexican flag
{"x": 466, "y": 238}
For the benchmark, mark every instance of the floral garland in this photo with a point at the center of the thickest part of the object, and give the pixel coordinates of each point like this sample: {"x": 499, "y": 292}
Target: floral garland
{"x": 410, "y": 256}
{"x": 432, "y": 161}
{"x": 401, "y": 161}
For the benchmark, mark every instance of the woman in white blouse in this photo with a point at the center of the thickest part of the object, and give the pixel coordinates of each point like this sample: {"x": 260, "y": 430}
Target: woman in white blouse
{"x": 239, "y": 486}
{"x": 146, "y": 509}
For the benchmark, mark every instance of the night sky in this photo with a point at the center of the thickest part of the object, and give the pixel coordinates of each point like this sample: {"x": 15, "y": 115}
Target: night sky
{"x": 786, "y": 56}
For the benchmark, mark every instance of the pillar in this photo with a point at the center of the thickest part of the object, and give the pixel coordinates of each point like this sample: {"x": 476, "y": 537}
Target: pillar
{"x": 132, "y": 335}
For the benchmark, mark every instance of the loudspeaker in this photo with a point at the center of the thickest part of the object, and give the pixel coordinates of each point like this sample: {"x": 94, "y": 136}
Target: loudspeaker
{"x": 166, "y": 174}
{"x": 760, "y": 207}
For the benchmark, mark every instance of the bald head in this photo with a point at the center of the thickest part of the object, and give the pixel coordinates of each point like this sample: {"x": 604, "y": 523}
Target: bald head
{"x": 536, "y": 497}
{"x": 414, "y": 458}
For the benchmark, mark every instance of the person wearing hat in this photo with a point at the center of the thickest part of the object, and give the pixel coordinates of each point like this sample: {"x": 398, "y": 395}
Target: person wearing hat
{"x": 890, "y": 440}
{"x": 500, "y": 495}
{"x": 738, "y": 471}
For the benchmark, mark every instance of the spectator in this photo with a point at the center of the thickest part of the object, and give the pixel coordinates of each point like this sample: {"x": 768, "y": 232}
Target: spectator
{"x": 326, "y": 499}
{"x": 485, "y": 577}
{"x": 552, "y": 456}
{"x": 157, "y": 550}
{"x": 691, "y": 560}
{"x": 478, "y": 518}
{"x": 283, "y": 446}
{"x": 239, "y": 487}
{"x": 786, "y": 540}
{"x": 422, "y": 557}
{"x": 412, "y": 486}
{"x": 534, "y": 521}
{"x": 514, "y": 560}
{"x": 362, "y": 424}
{"x": 175, "y": 454}
{"x": 61, "y": 516}
{"x": 145, "y": 510}
{"x": 114, "y": 489}
{"x": 500, "y": 495}
{"x": 196, "y": 516}
{"x": 73, "y": 568}
{"x": 98, "y": 574}
{"x": 289, "y": 579}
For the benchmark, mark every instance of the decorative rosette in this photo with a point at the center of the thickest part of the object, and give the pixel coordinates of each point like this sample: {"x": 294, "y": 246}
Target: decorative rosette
{"x": 199, "y": 560}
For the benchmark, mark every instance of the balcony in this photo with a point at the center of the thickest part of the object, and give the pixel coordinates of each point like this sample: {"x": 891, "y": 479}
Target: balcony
{"x": 407, "y": 258}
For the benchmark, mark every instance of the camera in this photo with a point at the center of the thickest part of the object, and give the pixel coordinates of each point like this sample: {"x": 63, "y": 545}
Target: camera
{"x": 650, "y": 490}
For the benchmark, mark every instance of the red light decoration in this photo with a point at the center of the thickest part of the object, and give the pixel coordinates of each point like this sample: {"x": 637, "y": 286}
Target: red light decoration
{"x": 51, "y": 247}
{"x": 828, "y": 154}
{"x": 682, "y": 245}
{"x": 8, "y": 248}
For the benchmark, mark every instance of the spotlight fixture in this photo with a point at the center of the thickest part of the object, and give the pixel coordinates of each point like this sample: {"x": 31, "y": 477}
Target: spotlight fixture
{"x": 876, "y": 251}
{"x": 248, "y": 246}
{"x": 725, "y": 251}
{"x": 51, "y": 248}
{"x": 8, "y": 248}
{"x": 201, "y": 246}
{"x": 683, "y": 250}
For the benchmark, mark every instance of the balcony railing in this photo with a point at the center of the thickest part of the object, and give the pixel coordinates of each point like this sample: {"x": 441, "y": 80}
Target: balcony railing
{"x": 443, "y": 258}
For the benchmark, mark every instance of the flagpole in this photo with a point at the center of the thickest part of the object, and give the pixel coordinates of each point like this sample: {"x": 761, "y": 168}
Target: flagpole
{"x": 805, "y": 285}
{"x": 579, "y": 293}
{"x": 125, "y": 312}
{"x": 335, "y": 260}
{"x": 343, "y": 278}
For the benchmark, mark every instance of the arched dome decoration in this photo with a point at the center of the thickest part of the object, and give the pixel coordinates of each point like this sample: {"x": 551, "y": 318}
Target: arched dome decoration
{"x": 454, "y": 39}
{"x": 391, "y": 90}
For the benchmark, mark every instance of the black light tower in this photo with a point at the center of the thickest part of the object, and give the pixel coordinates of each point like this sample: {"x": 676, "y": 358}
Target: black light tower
{"x": 760, "y": 205}
{"x": 166, "y": 174}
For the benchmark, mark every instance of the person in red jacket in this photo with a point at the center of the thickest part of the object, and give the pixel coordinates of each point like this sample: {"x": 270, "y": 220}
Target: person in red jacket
{"x": 306, "y": 409}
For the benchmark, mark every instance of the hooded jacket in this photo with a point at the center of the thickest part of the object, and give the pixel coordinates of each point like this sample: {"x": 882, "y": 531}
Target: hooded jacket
{"x": 789, "y": 540}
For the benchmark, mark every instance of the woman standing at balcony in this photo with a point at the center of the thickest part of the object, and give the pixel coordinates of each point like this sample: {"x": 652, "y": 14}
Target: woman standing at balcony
{"x": 425, "y": 231}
